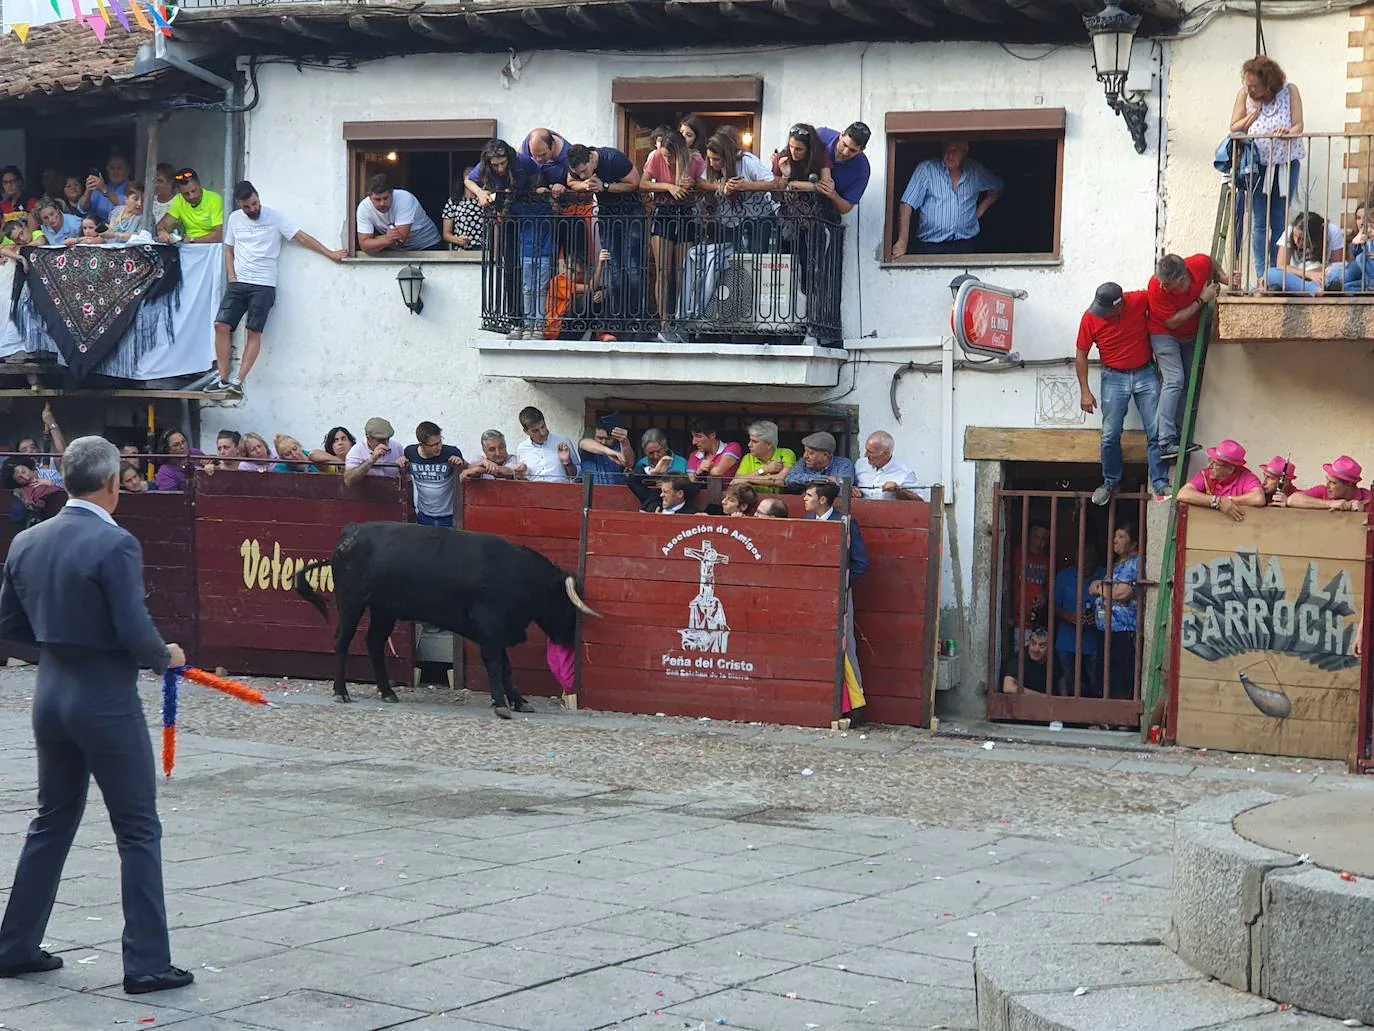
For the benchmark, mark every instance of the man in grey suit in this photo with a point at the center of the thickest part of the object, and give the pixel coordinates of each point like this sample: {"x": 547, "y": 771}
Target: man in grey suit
{"x": 73, "y": 585}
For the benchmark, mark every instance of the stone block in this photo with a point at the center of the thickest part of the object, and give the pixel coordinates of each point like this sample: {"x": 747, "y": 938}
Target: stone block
{"x": 1218, "y": 877}
{"x": 1225, "y": 808}
{"x": 1318, "y": 940}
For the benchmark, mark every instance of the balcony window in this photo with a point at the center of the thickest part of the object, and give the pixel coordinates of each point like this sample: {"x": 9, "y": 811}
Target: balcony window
{"x": 1024, "y": 149}
{"x": 645, "y": 104}
{"x": 425, "y": 157}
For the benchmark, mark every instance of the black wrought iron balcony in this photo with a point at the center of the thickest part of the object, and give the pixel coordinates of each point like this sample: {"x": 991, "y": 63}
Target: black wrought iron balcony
{"x": 684, "y": 272}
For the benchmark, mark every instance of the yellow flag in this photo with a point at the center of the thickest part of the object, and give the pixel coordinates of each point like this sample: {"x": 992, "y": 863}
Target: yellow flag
{"x": 21, "y": 29}
{"x": 104, "y": 12}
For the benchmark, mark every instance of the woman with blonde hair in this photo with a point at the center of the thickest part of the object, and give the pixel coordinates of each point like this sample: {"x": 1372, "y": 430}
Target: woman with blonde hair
{"x": 292, "y": 455}
{"x": 257, "y": 456}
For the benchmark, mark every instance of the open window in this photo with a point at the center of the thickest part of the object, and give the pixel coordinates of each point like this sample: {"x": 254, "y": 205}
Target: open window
{"x": 1022, "y": 147}
{"x": 645, "y": 104}
{"x": 425, "y": 157}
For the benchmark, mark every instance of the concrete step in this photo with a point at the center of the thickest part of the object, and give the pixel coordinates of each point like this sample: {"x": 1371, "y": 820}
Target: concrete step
{"x": 1139, "y": 986}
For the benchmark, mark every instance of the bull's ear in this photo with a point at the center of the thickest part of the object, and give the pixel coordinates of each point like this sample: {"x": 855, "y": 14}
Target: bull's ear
{"x": 573, "y": 597}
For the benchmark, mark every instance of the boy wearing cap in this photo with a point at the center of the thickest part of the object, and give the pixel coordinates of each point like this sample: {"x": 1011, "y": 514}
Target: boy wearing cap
{"x": 375, "y": 450}
{"x": 1225, "y": 484}
{"x": 1340, "y": 493}
{"x": 1115, "y": 322}
{"x": 1276, "y": 477}
{"x": 818, "y": 462}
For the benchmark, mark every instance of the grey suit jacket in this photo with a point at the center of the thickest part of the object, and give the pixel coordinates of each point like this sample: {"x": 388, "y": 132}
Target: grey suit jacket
{"x": 76, "y": 581}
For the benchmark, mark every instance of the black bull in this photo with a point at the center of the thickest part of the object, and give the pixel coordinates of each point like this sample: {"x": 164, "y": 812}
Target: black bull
{"x": 473, "y": 584}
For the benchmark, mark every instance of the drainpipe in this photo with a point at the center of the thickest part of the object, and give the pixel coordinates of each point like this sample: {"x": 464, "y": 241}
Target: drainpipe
{"x": 947, "y": 418}
{"x": 170, "y": 54}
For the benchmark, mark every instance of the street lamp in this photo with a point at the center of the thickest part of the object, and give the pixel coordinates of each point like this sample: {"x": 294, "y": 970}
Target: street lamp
{"x": 411, "y": 280}
{"x": 1112, "y": 31}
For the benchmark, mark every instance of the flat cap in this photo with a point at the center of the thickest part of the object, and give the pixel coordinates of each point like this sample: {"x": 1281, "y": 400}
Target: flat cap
{"x": 379, "y": 428}
{"x": 820, "y": 441}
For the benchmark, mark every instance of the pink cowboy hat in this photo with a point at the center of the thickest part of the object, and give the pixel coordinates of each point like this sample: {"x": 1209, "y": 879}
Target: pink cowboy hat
{"x": 1344, "y": 468}
{"x": 1227, "y": 451}
{"x": 1279, "y": 466}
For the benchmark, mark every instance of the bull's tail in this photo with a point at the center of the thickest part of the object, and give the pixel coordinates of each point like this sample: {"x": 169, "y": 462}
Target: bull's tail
{"x": 309, "y": 593}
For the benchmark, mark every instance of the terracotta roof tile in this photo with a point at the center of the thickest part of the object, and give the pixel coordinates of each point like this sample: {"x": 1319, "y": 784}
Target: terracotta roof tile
{"x": 66, "y": 56}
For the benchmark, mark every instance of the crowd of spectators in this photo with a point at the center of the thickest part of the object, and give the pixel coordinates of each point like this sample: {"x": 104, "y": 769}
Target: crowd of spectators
{"x": 585, "y": 235}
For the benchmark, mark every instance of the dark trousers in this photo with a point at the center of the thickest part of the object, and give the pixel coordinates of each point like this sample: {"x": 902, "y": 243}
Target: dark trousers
{"x": 88, "y": 721}
{"x": 1121, "y": 676}
{"x": 819, "y": 265}
{"x": 428, "y": 520}
{"x": 1090, "y": 671}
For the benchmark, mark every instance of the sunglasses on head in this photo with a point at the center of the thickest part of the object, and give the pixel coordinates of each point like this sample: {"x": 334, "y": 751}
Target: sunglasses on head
{"x": 184, "y": 177}
{"x": 799, "y": 130}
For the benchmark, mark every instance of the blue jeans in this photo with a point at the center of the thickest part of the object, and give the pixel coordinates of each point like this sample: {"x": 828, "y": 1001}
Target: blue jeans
{"x": 1174, "y": 356}
{"x": 1270, "y": 214}
{"x": 1357, "y": 274}
{"x": 623, "y": 236}
{"x": 1282, "y": 279}
{"x": 425, "y": 520}
{"x": 536, "y": 269}
{"x": 1118, "y": 389}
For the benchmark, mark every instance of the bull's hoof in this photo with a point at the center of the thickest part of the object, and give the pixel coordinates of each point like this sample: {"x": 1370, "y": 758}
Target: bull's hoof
{"x": 342, "y": 696}
{"x": 390, "y": 696}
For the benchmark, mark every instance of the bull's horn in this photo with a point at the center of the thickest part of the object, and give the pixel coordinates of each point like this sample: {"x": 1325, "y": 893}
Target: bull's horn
{"x": 582, "y": 606}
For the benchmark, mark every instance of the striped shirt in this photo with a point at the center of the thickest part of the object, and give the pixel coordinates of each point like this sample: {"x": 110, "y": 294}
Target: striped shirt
{"x": 948, "y": 212}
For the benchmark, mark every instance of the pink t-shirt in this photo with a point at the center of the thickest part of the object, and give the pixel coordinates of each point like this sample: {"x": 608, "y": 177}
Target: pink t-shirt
{"x": 1319, "y": 492}
{"x": 661, "y": 171}
{"x": 1242, "y": 482}
{"x": 695, "y": 459}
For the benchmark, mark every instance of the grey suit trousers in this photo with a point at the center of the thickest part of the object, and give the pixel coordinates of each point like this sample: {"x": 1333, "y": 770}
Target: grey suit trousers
{"x": 87, "y": 721}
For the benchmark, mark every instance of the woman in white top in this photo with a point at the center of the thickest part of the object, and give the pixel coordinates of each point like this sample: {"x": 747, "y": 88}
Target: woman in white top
{"x": 1268, "y": 109}
{"x": 1304, "y": 249}
{"x": 743, "y": 186}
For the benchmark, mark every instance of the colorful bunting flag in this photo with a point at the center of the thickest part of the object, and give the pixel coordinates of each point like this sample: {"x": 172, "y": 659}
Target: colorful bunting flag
{"x": 55, "y": 9}
{"x": 98, "y": 26}
{"x": 158, "y": 20}
{"x": 104, "y": 12}
{"x": 21, "y": 29}
{"x": 76, "y": 9}
{"x": 136, "y": 7}
{"x": 119, "y": 13}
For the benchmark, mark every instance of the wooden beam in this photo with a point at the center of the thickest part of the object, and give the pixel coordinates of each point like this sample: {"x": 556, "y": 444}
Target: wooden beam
{"x": 976, "y": 10}
{"x": 531, "y": 17}
{"x": 695, "y": 13}
{"x": 484, "y": 25}
{"x": 375, "y": 27}
{"x": 307, "y": 30}
{"x": 1037, "y": 10}
{"x": 914, "y": 11}
{"x": 633, "y": 12}
{"x": 847, "y": 9}
{"x": 745, "y": 14}
{"x": 796, "y": 12}
{"x": 582, "y": 18}
{"x": 253, "y": 29}
{"x": 999, "y": 444}
{"x": 435, "y": 30}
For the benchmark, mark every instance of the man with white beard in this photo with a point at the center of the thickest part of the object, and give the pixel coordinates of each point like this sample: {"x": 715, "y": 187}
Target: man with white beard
{"x": 253, "y": 237}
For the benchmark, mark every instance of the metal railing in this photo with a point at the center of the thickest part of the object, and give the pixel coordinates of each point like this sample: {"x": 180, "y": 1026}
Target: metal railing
{"x": 1088, "y": 678}
{"x": 1287, "y": 219}
{"x": 685, "y": 271}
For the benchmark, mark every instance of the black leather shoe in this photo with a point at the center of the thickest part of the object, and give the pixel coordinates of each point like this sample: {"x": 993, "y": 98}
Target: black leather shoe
{"x": 172, "y": 977}
{"x": 522, "y": 706}
{"x": 40, "y": 964}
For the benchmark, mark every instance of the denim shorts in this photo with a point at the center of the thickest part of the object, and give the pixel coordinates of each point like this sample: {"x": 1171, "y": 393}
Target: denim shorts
{"x": 256, "y": 300}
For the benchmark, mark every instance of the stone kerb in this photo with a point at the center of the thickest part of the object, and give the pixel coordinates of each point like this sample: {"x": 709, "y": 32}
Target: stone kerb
{"x": 1266, "y": 922}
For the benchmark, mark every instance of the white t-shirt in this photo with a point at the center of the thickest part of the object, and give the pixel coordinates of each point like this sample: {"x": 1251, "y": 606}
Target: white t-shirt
{"x": 870, "y": 481}
{"x": 360, "y": 453}
{"x": 256, "y": 243}
{"x": 405, "y": 211}
{"x": 1335, "y": 247}
{"x": 160, "y": 208}
{"x": 542, "y": 463}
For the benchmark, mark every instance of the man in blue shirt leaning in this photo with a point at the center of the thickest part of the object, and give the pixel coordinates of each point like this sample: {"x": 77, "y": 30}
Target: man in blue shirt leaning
{"x": 818, "y": 462}
{"x": 848, "y": 165}
{"x": 950, "y": 194}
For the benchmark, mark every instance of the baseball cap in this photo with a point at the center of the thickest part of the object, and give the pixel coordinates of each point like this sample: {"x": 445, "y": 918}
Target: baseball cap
{"x": 1107, "y": 301}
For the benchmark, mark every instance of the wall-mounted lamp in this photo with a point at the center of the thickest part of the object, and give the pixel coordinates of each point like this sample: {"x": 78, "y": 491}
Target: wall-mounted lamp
{"x": 746, "y": 138}
{"x": 411, "y": 280}
{"x": 1112, "y": 31}
{"x": 391, "y": 156}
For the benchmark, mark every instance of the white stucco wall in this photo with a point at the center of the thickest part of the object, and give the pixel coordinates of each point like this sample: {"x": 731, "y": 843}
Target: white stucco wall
{"x": 341, "y": 346}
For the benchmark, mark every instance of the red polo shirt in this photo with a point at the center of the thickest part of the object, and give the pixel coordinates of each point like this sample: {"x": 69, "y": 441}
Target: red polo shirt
{"x": 1121, "y": 342}
{"x": 1165, "y": 304}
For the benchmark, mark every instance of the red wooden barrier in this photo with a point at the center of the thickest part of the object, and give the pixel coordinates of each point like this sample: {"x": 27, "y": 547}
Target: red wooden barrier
{"x": 548, "y": 518}
{"x": 895, "y": 610}
{"x": 711, "y": 616}
{"x": 252, "y": 532}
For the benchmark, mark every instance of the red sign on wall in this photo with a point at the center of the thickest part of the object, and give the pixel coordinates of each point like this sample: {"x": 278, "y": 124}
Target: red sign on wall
{"x": 985, "y": 317}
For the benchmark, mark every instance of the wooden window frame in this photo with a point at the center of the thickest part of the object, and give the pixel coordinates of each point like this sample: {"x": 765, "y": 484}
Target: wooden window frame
{"x": 724, "y": 94}
{"x": 1039, "y": 123}
{"x": 419, "y": 134}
